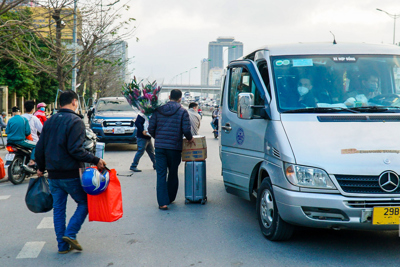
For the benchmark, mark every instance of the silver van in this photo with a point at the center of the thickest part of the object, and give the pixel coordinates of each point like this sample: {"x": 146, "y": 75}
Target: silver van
{"x": 312, "y": 133}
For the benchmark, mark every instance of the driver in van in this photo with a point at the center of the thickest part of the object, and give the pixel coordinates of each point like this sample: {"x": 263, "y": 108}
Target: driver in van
{"x": 306, "y": 94}
{"x": 369, "y": 89}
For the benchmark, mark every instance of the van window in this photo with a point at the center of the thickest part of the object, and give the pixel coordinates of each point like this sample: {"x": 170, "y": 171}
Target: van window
{"x": 241, "y": 82}
{"x": 336, "y": 82}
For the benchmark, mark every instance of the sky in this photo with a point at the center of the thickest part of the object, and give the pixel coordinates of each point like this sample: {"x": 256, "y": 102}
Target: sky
{"x": 174, "y": 34}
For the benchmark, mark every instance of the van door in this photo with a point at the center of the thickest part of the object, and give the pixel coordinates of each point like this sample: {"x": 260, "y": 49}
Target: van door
{"x": 242, "y": 140}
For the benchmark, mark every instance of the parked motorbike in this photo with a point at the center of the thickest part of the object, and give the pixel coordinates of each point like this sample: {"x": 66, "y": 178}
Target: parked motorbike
{"x": 16, "y": 162}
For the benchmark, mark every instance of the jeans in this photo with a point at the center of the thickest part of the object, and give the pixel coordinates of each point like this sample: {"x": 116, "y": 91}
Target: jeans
{"x": 167, "y": 160}
{"x": 144, "y": 145}
{"x": 27, "y": 144}
{"x": 60, "y": 189}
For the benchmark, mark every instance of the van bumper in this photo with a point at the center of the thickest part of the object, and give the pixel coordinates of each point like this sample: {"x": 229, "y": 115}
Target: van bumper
{"x": 326, "y": 210}
{"x": 128, "y": 137}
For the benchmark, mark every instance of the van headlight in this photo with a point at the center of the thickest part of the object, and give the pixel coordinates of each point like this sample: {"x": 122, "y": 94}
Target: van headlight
{"x": 308, "y": 177}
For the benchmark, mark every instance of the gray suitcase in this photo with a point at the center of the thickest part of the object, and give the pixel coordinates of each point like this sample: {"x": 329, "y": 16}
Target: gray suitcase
{"x": 195, "y": 182}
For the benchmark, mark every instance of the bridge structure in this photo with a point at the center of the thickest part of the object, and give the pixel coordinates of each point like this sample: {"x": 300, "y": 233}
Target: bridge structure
{"x": 202, "y": 89}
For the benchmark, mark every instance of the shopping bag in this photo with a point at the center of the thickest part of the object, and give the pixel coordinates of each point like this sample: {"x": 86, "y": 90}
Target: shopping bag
{"x": 107, "y": 206}
{"x": 2, "y": 170}
{"x": 38, "y": 198}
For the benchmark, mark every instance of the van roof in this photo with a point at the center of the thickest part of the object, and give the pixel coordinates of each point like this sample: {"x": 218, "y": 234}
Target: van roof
{"x": 330, "y": 48}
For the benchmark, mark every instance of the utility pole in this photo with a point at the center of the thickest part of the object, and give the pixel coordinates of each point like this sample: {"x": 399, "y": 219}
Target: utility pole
{"x": 74, "y": 43}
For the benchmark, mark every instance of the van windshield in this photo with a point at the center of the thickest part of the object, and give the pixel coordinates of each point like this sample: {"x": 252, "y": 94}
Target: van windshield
{"x": 333, "y": 83}
{"x": 113, "y": 105}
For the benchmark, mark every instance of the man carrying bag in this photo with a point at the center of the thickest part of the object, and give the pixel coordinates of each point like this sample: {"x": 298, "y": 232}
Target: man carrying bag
{"x": 60, "y": 151}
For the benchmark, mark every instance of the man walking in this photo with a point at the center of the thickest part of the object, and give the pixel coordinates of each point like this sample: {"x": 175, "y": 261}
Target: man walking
{"x": 143, "y": 143}
{"x": 60, "y": 150}
{"x": 168, "y": 125}
{"x": 195, "y": 118}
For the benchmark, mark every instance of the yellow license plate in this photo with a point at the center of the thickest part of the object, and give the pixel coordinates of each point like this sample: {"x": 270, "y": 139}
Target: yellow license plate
{"x": 386, "y": 215}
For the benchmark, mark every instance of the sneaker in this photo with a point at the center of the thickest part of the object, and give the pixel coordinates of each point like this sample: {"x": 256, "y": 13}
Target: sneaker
{"x": 28, "y": 169}
{"x": 65, "y": 251}
{"x": 134, "y": 169}
{"x": 72, "y": 242}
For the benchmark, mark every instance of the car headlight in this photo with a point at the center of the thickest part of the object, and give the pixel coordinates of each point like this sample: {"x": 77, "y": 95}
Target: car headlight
{"x": 99, "y": 121}
{"x": 308, "y": 177}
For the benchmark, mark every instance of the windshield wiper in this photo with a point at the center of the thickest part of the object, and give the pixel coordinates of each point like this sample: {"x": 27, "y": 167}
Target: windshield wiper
{"x": 375, "y": 109}
{"x": 321, "y": 110}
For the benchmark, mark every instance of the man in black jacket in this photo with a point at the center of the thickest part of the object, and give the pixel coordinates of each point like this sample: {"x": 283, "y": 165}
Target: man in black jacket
{"x": 143, "y": 143}
{"x": 168, "y": 125}
{"x": 60, "y": 151}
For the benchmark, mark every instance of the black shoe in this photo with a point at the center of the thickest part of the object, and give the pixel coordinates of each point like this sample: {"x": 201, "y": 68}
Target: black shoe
{"x": 163, "y": 207}
{"x": 134, "y": 169}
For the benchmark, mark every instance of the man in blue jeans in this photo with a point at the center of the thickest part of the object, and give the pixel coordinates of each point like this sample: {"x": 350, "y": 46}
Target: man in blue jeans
{"x": 60, "y": 151}
{"x": 143, "y": 143}
{"x": 167, "y": 125}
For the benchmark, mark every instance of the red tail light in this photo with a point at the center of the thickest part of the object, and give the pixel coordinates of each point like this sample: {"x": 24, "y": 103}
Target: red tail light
{"x": 11, "y": 149}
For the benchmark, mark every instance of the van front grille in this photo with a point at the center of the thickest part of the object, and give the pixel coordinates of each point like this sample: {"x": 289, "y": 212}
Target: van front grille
{"x": 358, "y": 184}
{"x": 372, "y": 203}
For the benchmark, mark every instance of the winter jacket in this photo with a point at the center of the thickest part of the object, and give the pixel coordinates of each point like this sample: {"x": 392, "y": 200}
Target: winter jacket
{"x": 17, "y": 129}
{"x": 41, "y": 116}
{"x": 60, "y": 148}
{"x": 139, "y": 123}
{"x": 168, "y": 124}
{"x": 195, "y": 120}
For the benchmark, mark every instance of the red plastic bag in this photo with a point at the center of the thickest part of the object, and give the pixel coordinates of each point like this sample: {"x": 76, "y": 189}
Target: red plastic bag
{"x": 2, "y": 170}
{"x": 107, "y": 207}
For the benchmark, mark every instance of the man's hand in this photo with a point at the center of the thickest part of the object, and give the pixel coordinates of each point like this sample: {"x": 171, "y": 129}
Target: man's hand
{"x": 191, "y": 142}
{"x": 101, "y": 165}
{"x": 144, "y": 133}
{"x": 39, "y": 173}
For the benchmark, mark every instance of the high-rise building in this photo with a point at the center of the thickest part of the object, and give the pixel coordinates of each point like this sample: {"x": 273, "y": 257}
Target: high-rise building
{"x": 217, "y": 50}
{"x": 204, "y": 71}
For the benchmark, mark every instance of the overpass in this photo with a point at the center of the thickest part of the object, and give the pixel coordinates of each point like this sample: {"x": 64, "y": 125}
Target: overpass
{"x": 166, "y": 88}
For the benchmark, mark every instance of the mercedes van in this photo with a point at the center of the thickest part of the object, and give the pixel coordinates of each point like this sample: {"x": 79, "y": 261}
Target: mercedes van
{"x": 312, "y": 133}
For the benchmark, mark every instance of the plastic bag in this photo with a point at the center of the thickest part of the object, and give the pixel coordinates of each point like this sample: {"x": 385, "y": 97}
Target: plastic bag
{"x": 38, "y": 198}
{"x": 2, "y": 170}
{"x": 107, "y": 207}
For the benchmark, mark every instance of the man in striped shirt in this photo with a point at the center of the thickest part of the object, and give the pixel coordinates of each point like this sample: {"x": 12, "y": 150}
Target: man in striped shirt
{"x": 194, "y": 118}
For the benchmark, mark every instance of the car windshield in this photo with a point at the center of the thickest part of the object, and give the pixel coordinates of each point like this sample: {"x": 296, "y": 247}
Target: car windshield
{"x": 113, "y": 105}
{"x": 345, "y": 83}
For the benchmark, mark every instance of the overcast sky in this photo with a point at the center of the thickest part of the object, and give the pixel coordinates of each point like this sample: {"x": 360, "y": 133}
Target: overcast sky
{"x": 174, "y": 34}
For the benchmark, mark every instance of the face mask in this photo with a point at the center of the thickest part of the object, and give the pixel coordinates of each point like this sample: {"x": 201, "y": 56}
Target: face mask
{"x": 302, "y": 90}
{"x": 42, "y": 109}
{"x": 372, "y": 87}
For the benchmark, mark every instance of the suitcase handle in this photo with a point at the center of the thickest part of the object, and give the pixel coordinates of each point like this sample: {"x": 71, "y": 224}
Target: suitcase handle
{"x": 197, "y": 178}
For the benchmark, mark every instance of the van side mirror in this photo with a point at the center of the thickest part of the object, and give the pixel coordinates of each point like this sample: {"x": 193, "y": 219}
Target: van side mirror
{"x": 245, "y": 106}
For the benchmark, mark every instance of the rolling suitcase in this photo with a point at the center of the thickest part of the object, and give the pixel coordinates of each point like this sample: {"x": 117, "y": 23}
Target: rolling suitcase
{"x": 195, "y": 182}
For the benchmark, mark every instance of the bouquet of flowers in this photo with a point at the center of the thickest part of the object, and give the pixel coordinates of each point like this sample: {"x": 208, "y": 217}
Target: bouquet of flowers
{"x": 142, "y": 96}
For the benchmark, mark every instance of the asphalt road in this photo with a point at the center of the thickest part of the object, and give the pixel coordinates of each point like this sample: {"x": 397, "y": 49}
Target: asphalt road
{"x": 223, "y": 232}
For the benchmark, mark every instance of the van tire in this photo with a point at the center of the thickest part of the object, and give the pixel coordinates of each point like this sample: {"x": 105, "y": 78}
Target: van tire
{"x": 271, "y": 224}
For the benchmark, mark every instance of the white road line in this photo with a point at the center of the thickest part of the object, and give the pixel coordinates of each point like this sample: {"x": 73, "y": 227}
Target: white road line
{"x": 31, "y": 250}
{"x": 4, "y": 197}
{"x": 46, "y": 223}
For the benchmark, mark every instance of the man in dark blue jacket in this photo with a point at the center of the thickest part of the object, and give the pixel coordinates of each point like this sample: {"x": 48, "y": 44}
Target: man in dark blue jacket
{"x": 60, "y": 151}
{"x": 168, "y": 125}
{"x": 143, "y": 143}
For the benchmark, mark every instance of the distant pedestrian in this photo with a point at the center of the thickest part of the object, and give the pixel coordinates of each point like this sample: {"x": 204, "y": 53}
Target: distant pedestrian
{"x": 60, "y": 151}
{"x": 195, "y": 118}
{"x": 34, "y": 122}
{"x": 143, "y": 143}
{"x": 168, "y": 125}
{"x": 3, "y": 125}
{"x": 40, "y": 113}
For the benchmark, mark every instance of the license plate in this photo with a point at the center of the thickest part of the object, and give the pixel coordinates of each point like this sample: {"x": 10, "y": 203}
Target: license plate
{"x": 119, "y": 131}
{"x": 10, "y": 157}
{"x": 386, "y": 215}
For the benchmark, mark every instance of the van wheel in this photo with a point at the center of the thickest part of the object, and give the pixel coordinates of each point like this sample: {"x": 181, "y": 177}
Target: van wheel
{"x": 271, "y": 224}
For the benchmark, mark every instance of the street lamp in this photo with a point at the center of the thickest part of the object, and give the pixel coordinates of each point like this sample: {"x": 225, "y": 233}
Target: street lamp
{"x": 394, "y": 17}
{"x": 74, "y": 41}
{"x": 189, "y": 73}
{"x": 226, "y": 49}
{"x": 181, "y": 75}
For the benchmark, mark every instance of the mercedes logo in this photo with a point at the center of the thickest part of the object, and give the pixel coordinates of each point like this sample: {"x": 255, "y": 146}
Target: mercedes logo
{"x": 389, "y": 181}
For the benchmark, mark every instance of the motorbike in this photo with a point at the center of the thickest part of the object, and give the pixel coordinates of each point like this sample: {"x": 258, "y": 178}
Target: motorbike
{"x": 214, "y": 124}
{"x": 200, "y": 113}
{"x": 18, "y": 157}
{"x": 16, "y": 162}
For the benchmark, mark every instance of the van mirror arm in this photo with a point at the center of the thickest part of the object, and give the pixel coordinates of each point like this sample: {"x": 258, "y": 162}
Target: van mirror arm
{"x": 264, "y": 112}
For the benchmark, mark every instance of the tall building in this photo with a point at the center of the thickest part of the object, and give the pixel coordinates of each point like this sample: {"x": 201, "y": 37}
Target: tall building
{"x": 204, "y": 71}
{"x": 117, "y": 52}
{"x": 217, "y": 50}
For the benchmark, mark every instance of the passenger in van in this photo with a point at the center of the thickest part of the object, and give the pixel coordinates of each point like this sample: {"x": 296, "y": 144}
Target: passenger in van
{"x": 369, "y": 89}
{"x": 306, "y": 94}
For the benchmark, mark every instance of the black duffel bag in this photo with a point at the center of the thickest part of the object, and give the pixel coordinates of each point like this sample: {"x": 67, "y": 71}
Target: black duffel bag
{"x": 38, "y": 198}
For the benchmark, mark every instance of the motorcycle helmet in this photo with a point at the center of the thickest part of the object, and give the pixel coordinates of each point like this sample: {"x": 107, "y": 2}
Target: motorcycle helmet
{"x": 42, "y": 104}
{"x": 94, "y": 182}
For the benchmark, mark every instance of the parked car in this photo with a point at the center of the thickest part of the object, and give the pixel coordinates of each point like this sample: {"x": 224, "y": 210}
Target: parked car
{"x": 310, "y": 131}
{"x": 113, "y": 120}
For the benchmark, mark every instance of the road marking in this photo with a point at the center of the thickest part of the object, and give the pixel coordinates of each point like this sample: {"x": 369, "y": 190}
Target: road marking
{"x": 4, "y": 197}
{"x": 31, "y": 250}
{"x": 46, "y": 223}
